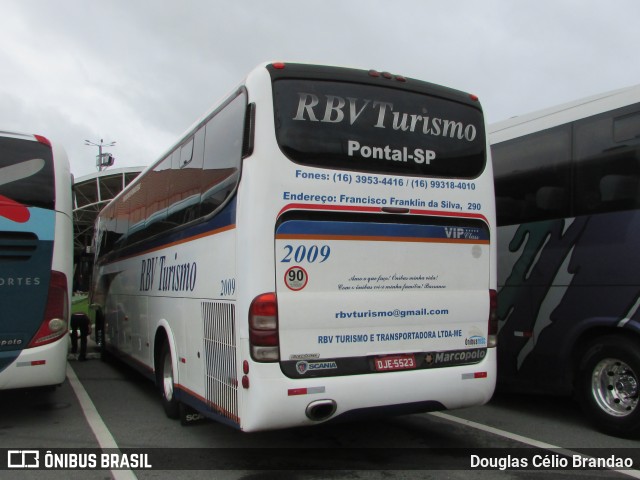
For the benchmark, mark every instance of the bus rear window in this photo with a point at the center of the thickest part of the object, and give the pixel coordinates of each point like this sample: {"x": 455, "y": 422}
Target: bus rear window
{"x": 377, "y": 129}
{"x": 26, "y": 172}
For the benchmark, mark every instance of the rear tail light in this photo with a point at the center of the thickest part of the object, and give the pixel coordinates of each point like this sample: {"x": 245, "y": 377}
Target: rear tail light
{"x": 263, "y": 328}
{"x": 492, "y": 340}
{"x": 54, "y": 323}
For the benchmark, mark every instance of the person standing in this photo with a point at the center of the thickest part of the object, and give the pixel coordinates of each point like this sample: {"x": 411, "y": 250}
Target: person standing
{"x": 80, "y": 327}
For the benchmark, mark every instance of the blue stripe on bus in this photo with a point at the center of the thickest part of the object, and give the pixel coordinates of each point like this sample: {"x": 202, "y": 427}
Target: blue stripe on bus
{"x": 41, "y": 222}
{"x": 380, "y": 230}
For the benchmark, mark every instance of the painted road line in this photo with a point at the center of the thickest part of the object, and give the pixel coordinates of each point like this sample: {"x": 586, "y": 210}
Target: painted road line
{"x": 525, "y": 440}
{"x": 97, "y": 425}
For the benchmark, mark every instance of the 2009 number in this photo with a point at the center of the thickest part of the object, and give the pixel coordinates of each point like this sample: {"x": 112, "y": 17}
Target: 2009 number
{"x": 301, "y": 253}
{"x": 227, "y": 287}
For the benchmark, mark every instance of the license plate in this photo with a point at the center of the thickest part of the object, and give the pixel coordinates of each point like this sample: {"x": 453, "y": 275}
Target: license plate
{"x": 394, "y": 362}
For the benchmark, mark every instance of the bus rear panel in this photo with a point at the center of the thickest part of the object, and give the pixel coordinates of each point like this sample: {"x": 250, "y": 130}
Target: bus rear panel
{"x": 382, "y": 228}
{"x": 35, "y": 262}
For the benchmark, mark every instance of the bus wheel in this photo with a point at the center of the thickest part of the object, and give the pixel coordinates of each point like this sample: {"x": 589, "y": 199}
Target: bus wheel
{"x": 104, "y": 354}
{"x": 608, "y": 384}
{"x": 169, "y": 402}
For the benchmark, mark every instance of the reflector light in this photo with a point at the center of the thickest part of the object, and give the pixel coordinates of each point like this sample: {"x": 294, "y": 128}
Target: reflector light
{"x": 480, "y": 375}
{"x": 43, "y": 140}
{"x": 523, "y": 334}
{"x": 38, "y": 362}
{"x": 245, "y": 367}
{"x": 245, "y": 381}
{"x": 297, "y": 391}
{"x": 305, "y": 391}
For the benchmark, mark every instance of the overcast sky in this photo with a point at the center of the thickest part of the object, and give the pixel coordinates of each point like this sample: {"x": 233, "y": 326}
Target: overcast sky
{"x": 140, "y": 72}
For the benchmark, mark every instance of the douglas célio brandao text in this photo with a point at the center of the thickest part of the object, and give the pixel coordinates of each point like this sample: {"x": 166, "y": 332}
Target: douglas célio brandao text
{"x": 549, "y": 461}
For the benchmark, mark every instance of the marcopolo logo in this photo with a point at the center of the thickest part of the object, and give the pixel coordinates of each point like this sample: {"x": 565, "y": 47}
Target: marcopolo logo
{"x": 303, "y": 366}
{"x": 454, "y": 357}
{"x": 13, "y": 341}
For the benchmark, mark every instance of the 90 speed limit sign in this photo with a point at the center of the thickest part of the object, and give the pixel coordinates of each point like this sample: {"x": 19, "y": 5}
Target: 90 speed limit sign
{"x": 296, "y": 278}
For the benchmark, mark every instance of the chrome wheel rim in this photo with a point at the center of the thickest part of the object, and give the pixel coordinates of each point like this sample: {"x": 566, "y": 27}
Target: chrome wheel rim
{"x": 167, "y": 378}
{"x": 615, "y": 387}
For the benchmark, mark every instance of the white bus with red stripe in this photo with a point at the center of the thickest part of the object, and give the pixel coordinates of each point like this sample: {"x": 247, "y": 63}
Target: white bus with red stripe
{"x": 320, "y": 246}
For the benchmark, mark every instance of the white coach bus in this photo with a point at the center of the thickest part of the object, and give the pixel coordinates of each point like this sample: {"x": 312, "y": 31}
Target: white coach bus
{"x": 320, "y": 246}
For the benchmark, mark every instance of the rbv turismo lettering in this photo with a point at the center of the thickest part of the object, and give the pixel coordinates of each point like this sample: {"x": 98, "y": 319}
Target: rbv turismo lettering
{"x": 336, "y": 109}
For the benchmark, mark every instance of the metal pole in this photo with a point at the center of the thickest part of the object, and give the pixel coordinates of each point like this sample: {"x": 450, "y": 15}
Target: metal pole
{"x": 100, "y": 156}
{"x": 99, "y": 145}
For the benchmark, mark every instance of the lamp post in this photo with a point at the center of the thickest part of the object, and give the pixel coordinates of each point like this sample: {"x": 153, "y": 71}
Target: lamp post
{"x": 103, "y": 160}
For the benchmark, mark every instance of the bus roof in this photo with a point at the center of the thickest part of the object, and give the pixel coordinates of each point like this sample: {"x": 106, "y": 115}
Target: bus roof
{"x": 561, "y": 114}
{"x": 18, "y": 135}
{"x": 371, "y": 77}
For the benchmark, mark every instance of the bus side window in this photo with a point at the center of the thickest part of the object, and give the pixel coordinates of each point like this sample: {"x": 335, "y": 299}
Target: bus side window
{"x": 184, "y": 189}
{"x": 191, "y": 171}
{"x": 109, "y": 237}
{"x": 608, "y": 162}
{"x": 222, "y": 154}
{"x": 137, "y": 200}
{"x": 530, "y": 174}
{"x": 157, "y": 187}
{"x": 122, "y": 221}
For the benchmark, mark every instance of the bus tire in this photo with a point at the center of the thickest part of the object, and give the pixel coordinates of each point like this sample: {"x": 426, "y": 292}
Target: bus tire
{"x": 607, "y": 384}
{"x": 104, "y": 353}
{"x": 166, "y": 382}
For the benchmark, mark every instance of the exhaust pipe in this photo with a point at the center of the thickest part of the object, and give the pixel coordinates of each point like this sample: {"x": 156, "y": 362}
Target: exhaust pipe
{"x": 321, "y": 410}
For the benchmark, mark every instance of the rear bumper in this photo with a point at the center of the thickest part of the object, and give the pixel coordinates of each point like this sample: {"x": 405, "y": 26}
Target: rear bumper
{"x": 281, "y": 402}
{"x": 37, "y": 367}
